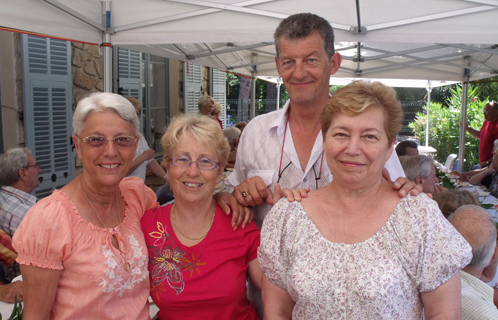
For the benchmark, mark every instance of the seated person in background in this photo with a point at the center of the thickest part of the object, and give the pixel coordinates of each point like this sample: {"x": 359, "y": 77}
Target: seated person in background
{"x": 232, "y": 134}
{"x": 478, "y": 228}
{"x": 18, "y": 178}
{"x": 451, "y": 200}
{"x": 8, "y": 255}
{"x": 421, "y": 170}
{"x": 241, "y": 125}
{"x": 407, "y": 148}
{"x": 490, "y": 171}
{"x": 144, "y": 156}
{"x": 198, "y": 264}
{"x": 206, "y": 105}
{"x": 486, "y": 181}
{"x": 216, "y": 113}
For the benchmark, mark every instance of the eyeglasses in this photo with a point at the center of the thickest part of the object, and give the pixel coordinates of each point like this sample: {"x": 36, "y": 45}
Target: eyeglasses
{"x": 119, "y": 141}
{"x": 33, "y": 165}
{"x": 202, "y": 163}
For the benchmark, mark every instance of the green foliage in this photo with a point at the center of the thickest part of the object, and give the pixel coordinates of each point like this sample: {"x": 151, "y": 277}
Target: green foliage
{"x": 444, "y": 129}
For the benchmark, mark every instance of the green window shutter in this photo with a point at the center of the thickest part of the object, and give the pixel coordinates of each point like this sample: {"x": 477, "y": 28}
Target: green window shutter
{"x": 47, "y": 91}
{"x": 192, "y": 86}
{"x": 219, "y": 91}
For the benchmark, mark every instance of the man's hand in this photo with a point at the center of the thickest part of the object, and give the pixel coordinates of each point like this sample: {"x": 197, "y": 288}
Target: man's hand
{"x": 291, "y": 194}
{"x": 9, "y": 291}
{"x": 406, "y": 186}
{"x": 240, "y": 214}
{"x": 252, "y": 192}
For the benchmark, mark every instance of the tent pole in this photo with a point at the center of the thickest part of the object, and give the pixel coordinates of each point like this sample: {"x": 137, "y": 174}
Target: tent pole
{"x": 106, "y": 39}
{"x": 463, "y": 116}
{"x": 429, "y": 89}
{"x": 252, "y": 108}
{"x": 279, "y": 83}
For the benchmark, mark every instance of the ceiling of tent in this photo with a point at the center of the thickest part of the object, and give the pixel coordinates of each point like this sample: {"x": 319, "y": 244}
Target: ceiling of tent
{"x": 394, "y": 39}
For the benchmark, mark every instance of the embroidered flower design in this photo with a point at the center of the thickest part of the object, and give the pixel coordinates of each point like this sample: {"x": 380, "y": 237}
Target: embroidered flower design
{"x": 168, "y": 261}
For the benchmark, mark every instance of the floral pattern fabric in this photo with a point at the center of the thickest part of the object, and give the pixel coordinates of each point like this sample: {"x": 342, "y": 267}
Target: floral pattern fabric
{"x": 380, "y": 278}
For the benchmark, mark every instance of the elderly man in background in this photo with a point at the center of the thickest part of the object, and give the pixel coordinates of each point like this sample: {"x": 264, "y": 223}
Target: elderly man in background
{"x": 18, "y": 178}
{"x": 488, "y": 133}
{"x": 477, "y": 227}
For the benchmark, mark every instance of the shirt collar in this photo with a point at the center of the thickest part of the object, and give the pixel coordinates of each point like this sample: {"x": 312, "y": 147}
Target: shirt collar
{"x": 26, "y": 197}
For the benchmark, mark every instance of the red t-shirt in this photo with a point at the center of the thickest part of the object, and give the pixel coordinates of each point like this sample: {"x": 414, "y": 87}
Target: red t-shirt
{"x": 489, "y": 133}
{"x": 205, "y": 281}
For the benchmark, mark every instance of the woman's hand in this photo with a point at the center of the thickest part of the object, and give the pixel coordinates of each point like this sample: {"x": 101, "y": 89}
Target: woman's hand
{"x": 240, "y": 214}
{"x": 291, "y": 194}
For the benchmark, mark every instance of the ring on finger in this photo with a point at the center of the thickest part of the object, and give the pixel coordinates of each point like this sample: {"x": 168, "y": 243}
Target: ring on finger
{"x": 244, "y": 194}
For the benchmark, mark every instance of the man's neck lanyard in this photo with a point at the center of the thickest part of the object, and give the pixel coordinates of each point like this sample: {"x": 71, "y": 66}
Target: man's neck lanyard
{"x": 280, "y": 172}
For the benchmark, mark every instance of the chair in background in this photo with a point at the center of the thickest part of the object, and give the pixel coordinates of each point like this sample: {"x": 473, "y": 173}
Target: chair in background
{"x": 449, "y": 162}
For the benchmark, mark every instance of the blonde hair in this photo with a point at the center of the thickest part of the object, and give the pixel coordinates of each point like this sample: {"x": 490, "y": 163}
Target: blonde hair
{"x": 357, "y": 97}
{"x": 203, "y": 129}
{"x": 204, "y": 100}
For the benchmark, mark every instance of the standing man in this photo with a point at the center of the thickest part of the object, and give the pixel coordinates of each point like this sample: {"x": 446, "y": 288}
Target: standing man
{"x": 18, "y": 178}
{"x": 286, "y": 146}
{"x": 488, "y": 133}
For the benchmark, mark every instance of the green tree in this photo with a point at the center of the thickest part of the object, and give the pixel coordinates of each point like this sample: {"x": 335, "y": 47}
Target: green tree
{"x": 444, "y": 129}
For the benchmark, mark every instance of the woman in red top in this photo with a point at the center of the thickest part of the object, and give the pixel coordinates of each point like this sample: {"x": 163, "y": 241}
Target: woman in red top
{"x": 198, "y": 263}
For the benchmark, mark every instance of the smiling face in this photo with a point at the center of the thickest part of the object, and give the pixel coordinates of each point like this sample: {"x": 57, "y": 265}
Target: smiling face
{"x": 357, "y": 148}
{"x": 305, "y": 67}
{"x": 105, "y": 166}
{"x": 192, "y": 184}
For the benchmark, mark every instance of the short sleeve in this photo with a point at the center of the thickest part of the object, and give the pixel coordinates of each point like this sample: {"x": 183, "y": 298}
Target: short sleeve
{"x": 253, "y": 240}
{"x": 440, "y": 250}
{"x": 273, "y": 251}
{"x": 44, "y": 237}
{"x": 137, "y": 195}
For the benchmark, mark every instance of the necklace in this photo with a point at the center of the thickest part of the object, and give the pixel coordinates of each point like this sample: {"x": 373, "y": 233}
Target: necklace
{"x": 183, "y": 234}
{"x": 114, "y": 239}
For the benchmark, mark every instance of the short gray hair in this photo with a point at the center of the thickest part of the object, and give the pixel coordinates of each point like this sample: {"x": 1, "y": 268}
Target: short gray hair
{"x": 231, "y": 133}
{"x": 301, "y": 25}
{"x": 204, "y": 100}
{"x": 415, "y": 166}
{"x": 104, "y": 102}
{"x": 478, "y": 228}
{"x": 10, "y": 162}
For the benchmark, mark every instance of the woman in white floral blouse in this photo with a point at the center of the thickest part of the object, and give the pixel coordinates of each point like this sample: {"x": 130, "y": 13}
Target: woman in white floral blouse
{"x": 354, "y": 249}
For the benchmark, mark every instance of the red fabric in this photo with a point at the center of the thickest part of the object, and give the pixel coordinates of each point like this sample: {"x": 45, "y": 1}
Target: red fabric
{"x": 489, "y": 133}
{"x": 221, "y": 123}
{"x": 205, "y": 281}
{"x": 8, "y": 254}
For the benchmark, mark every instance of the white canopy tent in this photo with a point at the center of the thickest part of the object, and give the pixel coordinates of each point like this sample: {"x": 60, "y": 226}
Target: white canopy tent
{"x": 437, "y": 40}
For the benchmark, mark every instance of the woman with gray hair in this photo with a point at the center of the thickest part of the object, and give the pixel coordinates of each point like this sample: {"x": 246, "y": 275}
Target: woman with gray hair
{"x": 81, "y": 250}
{"x": 206, "y": 105}
{"x": 421, "y": 170}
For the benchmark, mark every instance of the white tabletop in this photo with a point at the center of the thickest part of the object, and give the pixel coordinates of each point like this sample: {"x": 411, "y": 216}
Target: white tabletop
{"x": 489, "y": 199}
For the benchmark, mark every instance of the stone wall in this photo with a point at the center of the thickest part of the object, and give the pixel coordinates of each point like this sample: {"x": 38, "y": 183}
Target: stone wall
{"x": 87, "y": 70}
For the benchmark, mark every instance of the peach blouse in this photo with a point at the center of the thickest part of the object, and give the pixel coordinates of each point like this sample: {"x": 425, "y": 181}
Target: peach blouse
{"x": 93, "y": 283}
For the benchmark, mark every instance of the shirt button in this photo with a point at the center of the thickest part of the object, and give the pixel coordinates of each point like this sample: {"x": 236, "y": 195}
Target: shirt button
{"x": 305, "y": 179}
